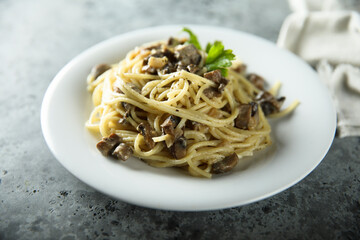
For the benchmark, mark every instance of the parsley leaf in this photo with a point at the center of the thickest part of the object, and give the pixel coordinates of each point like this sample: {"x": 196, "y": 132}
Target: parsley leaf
{"x": 218, "y": 58}
{"x": 193, "y": 39}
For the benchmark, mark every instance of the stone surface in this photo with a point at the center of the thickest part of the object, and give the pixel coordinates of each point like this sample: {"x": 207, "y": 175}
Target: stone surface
{"x": 39, "y": 199}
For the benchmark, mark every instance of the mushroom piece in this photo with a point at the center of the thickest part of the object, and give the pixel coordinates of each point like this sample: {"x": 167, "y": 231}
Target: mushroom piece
{"x": 187, "y": 54}
{"x": 145, "y": 130}
{"x": 214, "y": 76}
{"x": 217, "y": 78}
{"x": 149, "y": 70}
{"x": 169, "y": 125}
{"x": 127, "y": 107}
{"x": 112, "y": 146}
{"x": 211, "y": 92}
{"x": 226, "y": 164}
{"x": 257, "y": 80}
{"x": 269, "y": 104}
{"x": 162, "y": 60}
{"x": 248, "y": 117}
{"x": 220, "y": 81}
{"x": 99, "y": 69}
{"x": 122, "y": 152}
{"x": 107, "y": 145}
{"x": 178, "y": 149}
{"x": 192, "y": 68}
{"x": 157, "y": 62}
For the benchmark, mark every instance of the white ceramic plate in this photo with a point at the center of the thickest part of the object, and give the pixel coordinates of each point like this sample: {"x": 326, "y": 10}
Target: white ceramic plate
{"x": 300, "y": 140}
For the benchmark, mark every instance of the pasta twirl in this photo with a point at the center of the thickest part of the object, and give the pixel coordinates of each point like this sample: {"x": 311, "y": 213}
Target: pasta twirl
{"x": 165, "y": 104}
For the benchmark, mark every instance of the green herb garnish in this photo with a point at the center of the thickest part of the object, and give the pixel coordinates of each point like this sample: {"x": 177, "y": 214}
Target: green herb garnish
{"x": 217, "y": 56}
{"x": 193, "y": 38}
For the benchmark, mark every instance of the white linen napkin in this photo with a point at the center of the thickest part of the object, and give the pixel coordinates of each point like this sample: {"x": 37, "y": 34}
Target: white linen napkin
{"x": 330, "y": 41}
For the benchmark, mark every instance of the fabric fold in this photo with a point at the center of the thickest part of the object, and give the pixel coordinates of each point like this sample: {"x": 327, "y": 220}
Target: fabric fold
{"x": 327, "y": 35}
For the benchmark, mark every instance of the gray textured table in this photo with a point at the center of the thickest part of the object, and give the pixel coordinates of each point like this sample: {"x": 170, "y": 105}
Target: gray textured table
{"x": 39, "y": 199}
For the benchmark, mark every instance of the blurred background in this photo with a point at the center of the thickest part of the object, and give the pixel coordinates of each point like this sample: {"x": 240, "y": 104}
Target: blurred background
{"x": 39, "y": 199}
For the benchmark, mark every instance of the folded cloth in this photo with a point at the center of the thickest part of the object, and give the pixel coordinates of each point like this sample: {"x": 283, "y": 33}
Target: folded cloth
{"x": 330, "y": 41}
{"x": 334, "y": 36}
{"x": 344, "y": 84}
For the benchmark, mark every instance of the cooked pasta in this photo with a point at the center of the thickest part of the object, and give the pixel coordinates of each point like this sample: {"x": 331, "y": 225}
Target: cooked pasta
{"x": 163, "y": 105}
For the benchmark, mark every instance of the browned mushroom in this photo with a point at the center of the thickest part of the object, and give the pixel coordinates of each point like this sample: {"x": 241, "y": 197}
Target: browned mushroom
{"x": 122, "y": 152}
{"x": 220, "y": 81}
{"x": 107, "y": 145}
{"x": 178, "y": 149}
{"x": 145, "y": 130}
{"x": 157, "y": 62}
{"x": 112, "y": 146}
{"x": 127, "y": 107}
{"x": 192, "y": 68}
{"x": 217, "y": 78}
{"x": 149, "y": 70}
{"x": 211, "y": 92}
{"x": 257, "y": 80}
{"x": 226, "y": 164}
{"x": 169, "y": 125}
{"x": 269, "y": 104}
{"x": 187, "y": 54}
{"x": 214, "y": 76}
{"x": 248, "y": 117}
{"x": 99, "y": 69}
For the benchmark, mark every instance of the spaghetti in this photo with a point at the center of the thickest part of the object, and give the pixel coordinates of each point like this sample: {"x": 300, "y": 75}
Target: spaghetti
{"x": 163, "y": 105}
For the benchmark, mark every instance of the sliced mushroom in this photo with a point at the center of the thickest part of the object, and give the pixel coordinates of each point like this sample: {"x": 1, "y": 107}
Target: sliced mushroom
{"x": 257, "y": 80}
{"x": 107, "y": 145}
{"x": 157, "y": 62}
{"x": 222, "y": 84}
{"x": 187, "y": 54}
{"x": 226, "y": 164}
{"x": 161, "y": 60}
{"x": 269, "y": 104}
{"x": 214, "y": 76}
{"x": 192, "y": 68}
{"x": 99, "y": 69}
{"x": 178, "y": 149}
{"x": 122, "y": 152}
{"x": 169, "y": 125}
{"x": 149, "y": 70}
{"x": 145, "y": 130}
{"x": 220, "y": 81}
{"x": 248, "y": 117}
{"x": 127, "y": 107}
{"x": 212, "y": 92}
